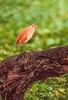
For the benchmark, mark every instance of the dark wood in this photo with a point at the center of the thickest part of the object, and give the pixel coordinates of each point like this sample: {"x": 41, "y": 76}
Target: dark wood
{"x": 19, "y": 71}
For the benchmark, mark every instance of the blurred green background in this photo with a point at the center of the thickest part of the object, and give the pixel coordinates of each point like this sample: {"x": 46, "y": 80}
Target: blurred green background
{"x": 52, "y": 17}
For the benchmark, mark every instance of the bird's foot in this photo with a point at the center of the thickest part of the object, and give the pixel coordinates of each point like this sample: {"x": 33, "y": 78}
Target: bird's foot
{"x": 24, "y": 53}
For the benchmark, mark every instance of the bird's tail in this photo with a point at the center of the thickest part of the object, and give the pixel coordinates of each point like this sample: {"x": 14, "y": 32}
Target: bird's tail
{"x": 16, "y": 42}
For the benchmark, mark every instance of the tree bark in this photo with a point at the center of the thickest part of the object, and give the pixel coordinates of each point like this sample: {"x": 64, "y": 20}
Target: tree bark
{"x": 19, "y": 71}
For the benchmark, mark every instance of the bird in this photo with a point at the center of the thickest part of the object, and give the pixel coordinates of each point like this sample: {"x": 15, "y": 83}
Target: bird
{"x": 26, "y": 34}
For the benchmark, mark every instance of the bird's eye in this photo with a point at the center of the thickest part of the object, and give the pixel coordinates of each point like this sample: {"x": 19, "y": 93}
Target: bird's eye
{"x": 33, "y": 25}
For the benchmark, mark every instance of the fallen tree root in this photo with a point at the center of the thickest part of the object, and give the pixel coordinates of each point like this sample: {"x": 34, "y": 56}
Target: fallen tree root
{"x": 19, "y": 71}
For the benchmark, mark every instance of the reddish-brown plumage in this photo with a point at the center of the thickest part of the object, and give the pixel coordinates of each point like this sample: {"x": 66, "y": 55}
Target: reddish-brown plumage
{"x": 26, "y": 34}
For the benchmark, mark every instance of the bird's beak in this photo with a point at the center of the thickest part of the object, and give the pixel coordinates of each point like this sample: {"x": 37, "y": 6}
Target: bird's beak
{"x": 36, "y": 25}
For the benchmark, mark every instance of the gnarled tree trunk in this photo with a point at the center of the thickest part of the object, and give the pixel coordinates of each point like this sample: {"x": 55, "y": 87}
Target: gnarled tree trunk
{"x": 19, "y": 71}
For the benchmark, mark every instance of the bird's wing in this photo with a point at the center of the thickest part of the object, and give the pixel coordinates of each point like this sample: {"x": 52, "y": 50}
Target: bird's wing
{"x": 23, "y": 39}
{"x": 22, "y": 36}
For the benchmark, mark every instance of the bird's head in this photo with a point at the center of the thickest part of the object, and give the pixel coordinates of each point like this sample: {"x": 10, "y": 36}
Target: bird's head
{"x": 34, "y": 25}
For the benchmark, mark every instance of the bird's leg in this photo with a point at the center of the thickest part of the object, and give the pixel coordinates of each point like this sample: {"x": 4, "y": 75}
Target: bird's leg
{"x": 23, "y": 48}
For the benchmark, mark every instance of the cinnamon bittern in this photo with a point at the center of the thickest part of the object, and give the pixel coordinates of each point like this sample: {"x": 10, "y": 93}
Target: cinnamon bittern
{"x": 26, "y": 34}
